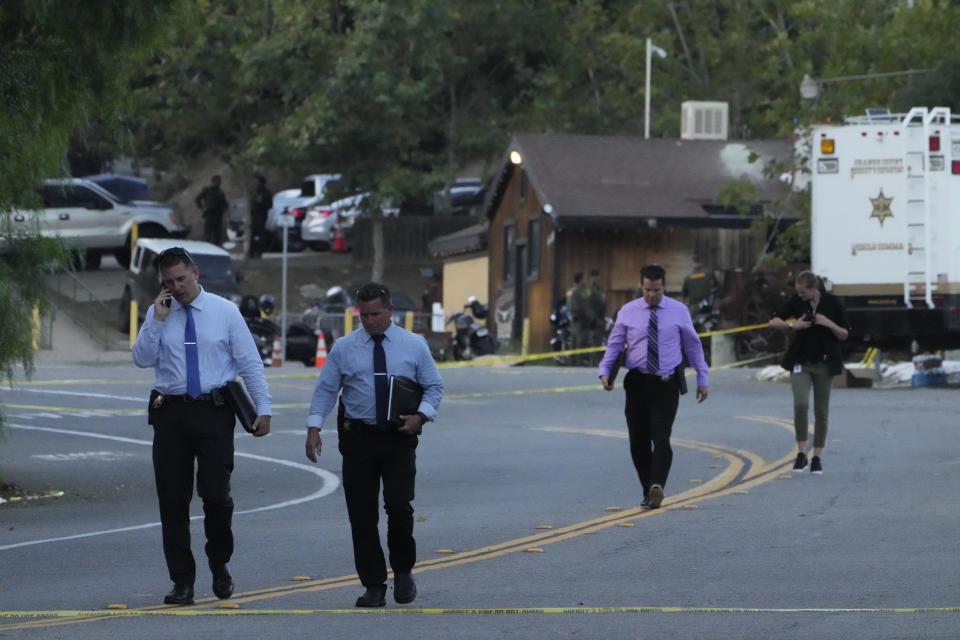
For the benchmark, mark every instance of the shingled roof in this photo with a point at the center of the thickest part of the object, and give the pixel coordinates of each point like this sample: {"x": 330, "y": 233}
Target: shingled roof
{"x": 600, "y": 180}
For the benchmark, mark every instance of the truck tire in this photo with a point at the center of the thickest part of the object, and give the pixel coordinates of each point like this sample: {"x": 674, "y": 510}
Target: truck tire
{"x": 92, "y": 260}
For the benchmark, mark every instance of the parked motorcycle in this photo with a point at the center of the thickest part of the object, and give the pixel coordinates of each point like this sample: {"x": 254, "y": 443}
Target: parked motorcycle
{"x": 707, "y": 318}
{"x": 263, "y": 330}
{"x": 471, "y": 338}
{"x": 562, "y": 324}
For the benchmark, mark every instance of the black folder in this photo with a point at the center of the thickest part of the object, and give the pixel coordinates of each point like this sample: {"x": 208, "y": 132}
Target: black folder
{"x": 242, "y": 405}
{"x": 615, "y": 369}
{"x": 405, "y": 396}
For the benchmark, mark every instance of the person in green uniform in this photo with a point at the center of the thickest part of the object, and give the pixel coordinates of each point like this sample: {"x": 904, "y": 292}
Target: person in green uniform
{"x": 597, "y": 302}
{"x": 578, "y": 305}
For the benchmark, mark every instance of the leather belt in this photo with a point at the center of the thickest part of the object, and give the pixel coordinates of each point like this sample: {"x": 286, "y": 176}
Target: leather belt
{"x": 653, "y": 375}
{"x": 203, "y": 397}
{"x": 356, "y": 424}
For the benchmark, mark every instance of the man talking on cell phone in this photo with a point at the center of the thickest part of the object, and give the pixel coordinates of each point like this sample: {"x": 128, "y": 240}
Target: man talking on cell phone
{"x": 196, "y": 342}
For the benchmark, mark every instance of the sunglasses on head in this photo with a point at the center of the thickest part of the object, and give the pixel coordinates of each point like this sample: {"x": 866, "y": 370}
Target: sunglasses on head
{"x": 176, "y": 251}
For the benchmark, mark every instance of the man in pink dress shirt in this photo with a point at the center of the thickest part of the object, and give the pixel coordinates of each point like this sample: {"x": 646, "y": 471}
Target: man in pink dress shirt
{"x": 657, "y": 332}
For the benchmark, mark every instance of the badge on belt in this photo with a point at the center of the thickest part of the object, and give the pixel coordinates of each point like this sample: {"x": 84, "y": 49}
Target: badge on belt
{"x": 158, "y": 401}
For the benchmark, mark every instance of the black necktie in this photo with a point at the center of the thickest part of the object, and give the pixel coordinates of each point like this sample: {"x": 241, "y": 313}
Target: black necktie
{"x": 380, "y": 379}
{"x": 653, "y": 348}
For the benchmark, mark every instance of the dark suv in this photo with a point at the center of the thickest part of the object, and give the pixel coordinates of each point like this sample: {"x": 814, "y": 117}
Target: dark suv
{"x": 217, "y": 274}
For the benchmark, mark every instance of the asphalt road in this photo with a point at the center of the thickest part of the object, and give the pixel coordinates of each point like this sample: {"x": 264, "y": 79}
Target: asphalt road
{"x": 742, "y": 548}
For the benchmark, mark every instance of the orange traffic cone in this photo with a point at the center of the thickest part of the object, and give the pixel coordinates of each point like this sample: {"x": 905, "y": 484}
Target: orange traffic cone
{"x": 321, "y": 350}
{"x": 277, "y": 352}
{"x": 339, "y": 240}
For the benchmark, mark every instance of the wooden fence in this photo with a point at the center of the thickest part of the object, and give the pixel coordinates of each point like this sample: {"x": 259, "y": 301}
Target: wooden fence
{"x": 405, "y": 238}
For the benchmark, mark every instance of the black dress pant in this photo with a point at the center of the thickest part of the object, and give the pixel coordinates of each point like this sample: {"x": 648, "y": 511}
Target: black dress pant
{"x": 184, "y": 432}
{"x": 369, "y": 456}
{"x": 650, "y": 409}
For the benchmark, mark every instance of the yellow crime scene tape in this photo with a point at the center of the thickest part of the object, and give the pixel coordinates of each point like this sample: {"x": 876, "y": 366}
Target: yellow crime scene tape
{"x": 181, "y": 612}
{"x": 485, "y": 362}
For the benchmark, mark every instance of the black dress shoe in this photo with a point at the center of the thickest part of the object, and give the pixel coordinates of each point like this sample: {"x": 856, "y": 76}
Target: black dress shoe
{"x": 656, "y": 496}
{"x": 404, "y": 588}
{"x": 373, "y": 597}
{"x": 180, "y": 594}
{"x": 646, "y": 502}
{"x": 222, "y": 581}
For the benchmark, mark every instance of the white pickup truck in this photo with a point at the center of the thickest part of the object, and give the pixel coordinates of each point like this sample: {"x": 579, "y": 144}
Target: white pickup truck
{"x": 91, "y": 218}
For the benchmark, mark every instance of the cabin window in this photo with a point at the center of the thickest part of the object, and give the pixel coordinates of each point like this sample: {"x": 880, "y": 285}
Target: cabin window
{"x": 509, "y": 251}
{"x": 533, "y": 250}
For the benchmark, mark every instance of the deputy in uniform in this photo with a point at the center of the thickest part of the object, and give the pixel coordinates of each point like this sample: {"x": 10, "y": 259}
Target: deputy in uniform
{"x": 658, "y": 332}
{"x": 360, "y": 364}
{"x": 260, "y": 202}
{"x": 580, "y": 307}
{"x": 196, "y": 342}
{"x": 597, "y": 301}
{"x": 213, "y": 203}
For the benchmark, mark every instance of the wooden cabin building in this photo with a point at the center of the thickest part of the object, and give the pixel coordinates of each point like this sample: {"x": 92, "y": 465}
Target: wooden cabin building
{"x": 562, "y": 204}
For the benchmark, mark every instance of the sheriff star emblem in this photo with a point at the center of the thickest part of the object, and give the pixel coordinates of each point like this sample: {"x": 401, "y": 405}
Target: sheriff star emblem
{"x": 881, "y": 207}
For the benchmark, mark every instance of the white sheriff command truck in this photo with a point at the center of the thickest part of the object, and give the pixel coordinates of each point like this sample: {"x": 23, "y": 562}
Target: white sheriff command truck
{"x": 885, "y": 224}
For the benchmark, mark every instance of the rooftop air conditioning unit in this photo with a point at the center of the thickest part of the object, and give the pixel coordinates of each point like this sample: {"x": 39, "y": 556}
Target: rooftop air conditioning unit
{"x": 703, "y": 120}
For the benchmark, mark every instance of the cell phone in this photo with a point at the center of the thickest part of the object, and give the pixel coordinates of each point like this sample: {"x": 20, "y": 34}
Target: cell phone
{"x": 808, "y": 316}
{"x": 166, "y": 303}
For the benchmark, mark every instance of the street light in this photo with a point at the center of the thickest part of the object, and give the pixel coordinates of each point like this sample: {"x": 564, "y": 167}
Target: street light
{"x": 810, "y": 87}
{"x": 646, "y": 94}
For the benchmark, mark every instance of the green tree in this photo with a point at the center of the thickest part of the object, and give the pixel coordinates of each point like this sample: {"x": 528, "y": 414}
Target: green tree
{"x": 63, "y": 67}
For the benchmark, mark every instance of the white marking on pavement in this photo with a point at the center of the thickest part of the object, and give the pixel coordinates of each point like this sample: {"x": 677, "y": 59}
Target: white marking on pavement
{"x": 108, "y": 456}
{"x": 330, "y": 484}
{"x": 606, "y": 433}
{"x": 84, "y": 394}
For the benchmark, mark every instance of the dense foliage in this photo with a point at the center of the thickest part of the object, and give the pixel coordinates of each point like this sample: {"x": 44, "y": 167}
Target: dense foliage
{"x": 400, "y": 95}
{"x": 64, "y": 71}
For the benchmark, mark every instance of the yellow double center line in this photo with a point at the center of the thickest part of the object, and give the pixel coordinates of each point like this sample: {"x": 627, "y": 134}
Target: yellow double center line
{"x": 744, "y": 470}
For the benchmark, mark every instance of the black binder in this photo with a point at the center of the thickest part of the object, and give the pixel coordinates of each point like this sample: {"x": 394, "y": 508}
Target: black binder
{"x": 405, "y": 396}
{"x": 242, "y": 405}
{"x": 617, "y": 364}
{"x": 681, "y": 377}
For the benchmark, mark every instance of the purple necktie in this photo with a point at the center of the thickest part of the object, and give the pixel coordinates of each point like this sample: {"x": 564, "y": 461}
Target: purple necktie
{"x": 653, "y": 348}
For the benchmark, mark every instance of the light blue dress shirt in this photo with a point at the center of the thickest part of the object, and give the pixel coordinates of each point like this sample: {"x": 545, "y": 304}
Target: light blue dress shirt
{"x": 224, "y": 344}
{"x": 350, "y": 366}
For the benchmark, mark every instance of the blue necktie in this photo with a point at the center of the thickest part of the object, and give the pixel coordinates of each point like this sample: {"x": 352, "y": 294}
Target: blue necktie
{"x": 380, "y": 380}
{"x": 653, "y": 348}
{"x": 193, "y": 359}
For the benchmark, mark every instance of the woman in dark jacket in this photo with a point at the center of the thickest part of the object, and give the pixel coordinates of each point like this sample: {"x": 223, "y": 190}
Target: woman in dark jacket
{"x": 819, "y": 324}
